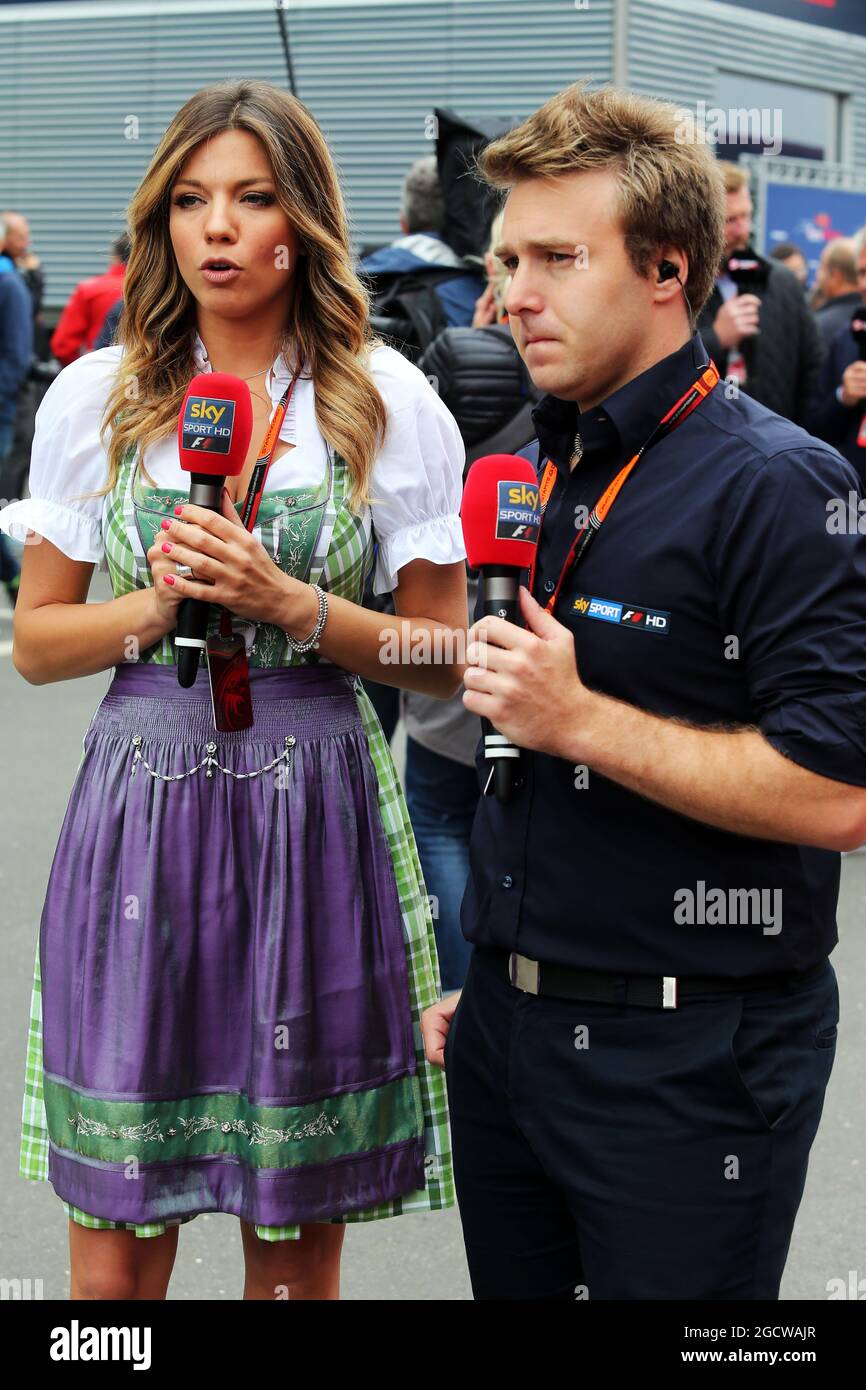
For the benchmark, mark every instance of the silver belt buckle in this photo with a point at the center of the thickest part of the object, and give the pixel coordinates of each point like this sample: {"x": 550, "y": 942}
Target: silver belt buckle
{"x": 669, "y": 991}
{"x": 523, "y": 972}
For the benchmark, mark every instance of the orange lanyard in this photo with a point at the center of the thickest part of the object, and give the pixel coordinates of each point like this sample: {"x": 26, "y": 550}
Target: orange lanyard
{"x": 259, "y": 474}
{"x": 263, "y": 462}
{"x": 696, "y": 393}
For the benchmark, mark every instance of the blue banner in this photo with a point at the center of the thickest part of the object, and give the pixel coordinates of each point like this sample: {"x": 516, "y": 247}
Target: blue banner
{"x": 810, "y": 217}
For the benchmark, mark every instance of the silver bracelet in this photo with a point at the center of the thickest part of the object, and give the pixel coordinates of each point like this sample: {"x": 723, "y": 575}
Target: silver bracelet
{"x": 311, "y": 643}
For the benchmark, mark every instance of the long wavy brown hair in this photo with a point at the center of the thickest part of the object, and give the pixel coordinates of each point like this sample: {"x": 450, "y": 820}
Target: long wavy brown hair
{"x": 328, "y": 321}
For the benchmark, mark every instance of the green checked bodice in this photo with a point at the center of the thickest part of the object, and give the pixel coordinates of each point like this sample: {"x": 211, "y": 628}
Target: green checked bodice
{"x": 311, "y": 533}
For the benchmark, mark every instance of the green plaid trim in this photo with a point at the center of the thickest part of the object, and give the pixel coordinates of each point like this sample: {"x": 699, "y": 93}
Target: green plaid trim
{"x": 342, "y": 568}
{"x": 423, "y": 971}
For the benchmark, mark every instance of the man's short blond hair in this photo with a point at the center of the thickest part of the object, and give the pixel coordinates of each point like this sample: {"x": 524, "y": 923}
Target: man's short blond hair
{"x": 734, "y": 175}
{"x": 841, "y": 254}
{"x": 670, "y": 190}
{"x": 859, "y": 240}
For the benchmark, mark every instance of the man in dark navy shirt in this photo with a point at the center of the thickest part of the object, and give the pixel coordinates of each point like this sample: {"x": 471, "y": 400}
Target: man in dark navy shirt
{"x": 637, "y": 1065}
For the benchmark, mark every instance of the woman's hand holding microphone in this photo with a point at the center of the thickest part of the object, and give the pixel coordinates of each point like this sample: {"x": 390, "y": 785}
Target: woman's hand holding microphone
{"x": 229, "y": 567}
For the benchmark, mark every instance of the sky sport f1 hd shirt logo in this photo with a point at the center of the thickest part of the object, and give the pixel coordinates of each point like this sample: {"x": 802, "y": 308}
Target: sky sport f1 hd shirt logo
{"x": 207, "y": 424}
{"x": 609, "y": 611}
{"x": 517, "y": 514}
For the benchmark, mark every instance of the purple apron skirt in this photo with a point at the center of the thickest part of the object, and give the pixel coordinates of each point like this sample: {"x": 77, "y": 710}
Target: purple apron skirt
{"x": 226, "y": 1016}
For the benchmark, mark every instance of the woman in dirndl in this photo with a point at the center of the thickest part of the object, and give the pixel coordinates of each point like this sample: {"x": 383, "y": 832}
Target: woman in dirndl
{"x": 236, "y": 944}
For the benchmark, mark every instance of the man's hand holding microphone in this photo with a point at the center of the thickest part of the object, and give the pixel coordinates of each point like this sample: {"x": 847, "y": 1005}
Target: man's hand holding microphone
{"x": 853, "y": 390}
{"x": 522, "y": 681}
{"x": 737, "y": 319}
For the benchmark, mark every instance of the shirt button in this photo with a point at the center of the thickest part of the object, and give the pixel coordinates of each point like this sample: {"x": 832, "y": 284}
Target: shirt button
{"x": 507, "y": 881}
{"x": 549, "y": 586}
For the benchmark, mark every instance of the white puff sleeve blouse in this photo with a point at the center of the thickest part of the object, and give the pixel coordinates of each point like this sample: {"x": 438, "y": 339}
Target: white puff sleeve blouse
{"x": 415, "y": 487}
{"x": 68, "y": 460}
{"x": 417, "y": 481}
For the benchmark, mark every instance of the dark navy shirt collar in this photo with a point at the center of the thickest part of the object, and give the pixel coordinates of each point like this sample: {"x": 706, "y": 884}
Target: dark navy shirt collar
{"x": 625, "y": 420}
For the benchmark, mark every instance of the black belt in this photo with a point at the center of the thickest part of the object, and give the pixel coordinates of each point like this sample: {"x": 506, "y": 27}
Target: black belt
{"x": 648, "y": 991}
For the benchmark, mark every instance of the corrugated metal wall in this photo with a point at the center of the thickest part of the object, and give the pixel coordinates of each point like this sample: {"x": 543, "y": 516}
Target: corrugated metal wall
{"x": 369, "y": 73}
{"x": 676, "y": 49}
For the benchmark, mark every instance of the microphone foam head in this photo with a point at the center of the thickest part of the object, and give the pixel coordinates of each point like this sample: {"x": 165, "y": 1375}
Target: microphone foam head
{"x": 500, "y": 512}
{"x": 215, "y": 425}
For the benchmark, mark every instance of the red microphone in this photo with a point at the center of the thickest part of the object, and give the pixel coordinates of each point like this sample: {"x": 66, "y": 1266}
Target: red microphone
{"x": 501, "y": 519}
{"x": 213, "y": 436}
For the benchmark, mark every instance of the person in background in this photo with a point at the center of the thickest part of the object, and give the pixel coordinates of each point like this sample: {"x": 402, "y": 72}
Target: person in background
{"x": 109, "y": 326}
{"x": 16, "y": 351}
{"x": 27, "y": 263}
{"x": 423, "y": 247}
{"x": 790, "y": 256}
{"x": 18, "y": 255}
{"x": 480, "y": 376}
{"x": 781, "y": 369}
{"x": 837, "y": 409}
{"x": 836, "y": 282}
{"x": 419, "y": 286}
{"x": 79, "y": 324}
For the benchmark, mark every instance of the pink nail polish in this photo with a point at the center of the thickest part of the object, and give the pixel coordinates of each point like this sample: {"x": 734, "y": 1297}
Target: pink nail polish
{"x": 167, "y": 547}
{"x": 165, "y": 523}
{"x": 178, "y": 510}
{"x": 169, "y": 578}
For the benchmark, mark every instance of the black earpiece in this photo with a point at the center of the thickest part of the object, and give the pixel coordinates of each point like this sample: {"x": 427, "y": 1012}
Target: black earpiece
{"x": 668, "y": 271}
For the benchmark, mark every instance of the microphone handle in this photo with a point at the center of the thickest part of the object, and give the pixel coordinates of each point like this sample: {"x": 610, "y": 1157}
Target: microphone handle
{"x": 500, "y": 601}
{"x": 192, "y": 614}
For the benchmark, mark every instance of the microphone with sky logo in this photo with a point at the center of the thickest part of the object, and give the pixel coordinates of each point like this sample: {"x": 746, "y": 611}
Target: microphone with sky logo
{"x": 501, "y": 519}
{"x": 213, "y": 436}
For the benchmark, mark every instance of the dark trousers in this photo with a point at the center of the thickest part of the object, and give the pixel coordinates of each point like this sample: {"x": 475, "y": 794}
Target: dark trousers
{"x": 607, "y": 1151}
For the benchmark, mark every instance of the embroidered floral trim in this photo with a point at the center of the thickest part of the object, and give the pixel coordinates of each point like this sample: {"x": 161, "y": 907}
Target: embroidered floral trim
{"x": 200, "y": 1124}
{"x": 260, "y": 1134}
{"x": 100, "y": 1130}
